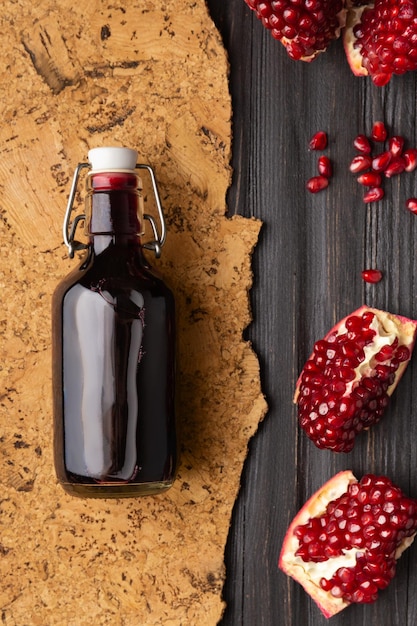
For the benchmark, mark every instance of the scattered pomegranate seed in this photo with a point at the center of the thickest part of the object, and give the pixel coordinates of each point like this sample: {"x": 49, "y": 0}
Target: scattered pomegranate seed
{"x": 411, "y": 205}
{"x": 371, "y": 275}
{"x": 360, "y": 163}
{"x": 380, "y": 162}
{"x": 373, "y": 195}
{"x": 379, "y": 131}
{"x": 361, "y": 143}
{"x": 317, "y": 183}
{"x": 396, "y": 166}
{"x": 396, "y": 145}
{"x": 390, "y": 163}
{"x": 318, "y": 141}
{"x": 410, "y": 159}
{"x": 325, "y": 166}
{"x": 370, "y": 179}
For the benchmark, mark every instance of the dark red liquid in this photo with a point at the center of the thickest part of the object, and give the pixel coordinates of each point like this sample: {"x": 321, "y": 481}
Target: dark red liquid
{"x": 114, "y": 364}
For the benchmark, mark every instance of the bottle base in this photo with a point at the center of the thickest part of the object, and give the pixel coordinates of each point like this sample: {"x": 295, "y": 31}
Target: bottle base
{"x": 116, "y": 490}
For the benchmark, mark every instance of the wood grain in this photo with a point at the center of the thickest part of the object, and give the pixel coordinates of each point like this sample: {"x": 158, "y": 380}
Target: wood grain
{"x": 307, "y": 275}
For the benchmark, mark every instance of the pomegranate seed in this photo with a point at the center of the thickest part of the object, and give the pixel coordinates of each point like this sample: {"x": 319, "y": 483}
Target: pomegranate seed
{"x": 379, "y": 132}
{"x": 318, "y": 141}
{"x": 264, "y": 9}
{"x": 396, "y": 166}
{"x": 403, "y": 353}
{"x": 325, "y": 166}
{"x": 371, "y": 276}
{"x": 373, "y": 195}
{"x": 370, "y": 179}
{"x": 410, "y": 159}
{"x": 380, "y": 162}
{"x": 396, "y": 145}
{"x": 384, "y": 354}
{"x": 411, "y": 205}
{"x": 362, "y": 145}
{"x": 317, "y": 183}
{"x": 360, "y": 163}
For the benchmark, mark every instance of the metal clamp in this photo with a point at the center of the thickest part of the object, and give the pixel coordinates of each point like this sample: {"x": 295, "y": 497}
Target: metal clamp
{"x": 159, "y": 239}
{"x": 69, "y": 229}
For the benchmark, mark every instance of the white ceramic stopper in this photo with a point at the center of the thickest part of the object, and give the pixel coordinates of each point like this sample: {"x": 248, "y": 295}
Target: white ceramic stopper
{"x": 108, "y": 159}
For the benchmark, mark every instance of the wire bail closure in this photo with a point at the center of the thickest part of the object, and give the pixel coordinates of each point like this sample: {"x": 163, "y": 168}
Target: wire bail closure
{"x": 69, "y": 228}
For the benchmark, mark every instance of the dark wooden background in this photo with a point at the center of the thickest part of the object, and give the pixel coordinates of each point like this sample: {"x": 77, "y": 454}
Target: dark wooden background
{"x": 307, "y": 275}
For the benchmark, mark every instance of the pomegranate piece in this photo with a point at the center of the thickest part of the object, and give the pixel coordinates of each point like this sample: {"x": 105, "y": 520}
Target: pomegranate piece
{"x": 304, "y": 28}
{"x": 371, "y": 275}
{"x": 343, "y": 544}
{"x": 346, "y": 384}
{"x": 317, "y": 183}
{"x": 318, "y": 141}
{"x": 411, "y": 205}
{"x": 373, "y": 195}
{"x": 380, "y": 39}
{"x": 325, "y": 166}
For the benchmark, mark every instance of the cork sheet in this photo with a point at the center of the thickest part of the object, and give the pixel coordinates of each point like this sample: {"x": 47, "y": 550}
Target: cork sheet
{"x": 152, "y": 76}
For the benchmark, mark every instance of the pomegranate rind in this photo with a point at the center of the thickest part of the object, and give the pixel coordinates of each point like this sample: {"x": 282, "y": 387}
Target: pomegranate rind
{"x": 406, "y": 331}
{"x": 353, "y": 56}
{"x": 315, "y": 506}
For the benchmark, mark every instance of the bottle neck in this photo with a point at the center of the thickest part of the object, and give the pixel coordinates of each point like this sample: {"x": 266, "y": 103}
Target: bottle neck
{"x": 114, "y": 208}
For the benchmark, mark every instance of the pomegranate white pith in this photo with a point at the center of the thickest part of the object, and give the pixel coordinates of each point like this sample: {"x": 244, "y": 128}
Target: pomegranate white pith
{"x": 351, "y": 564}
{"x": 346, "y": 383}
{"x": 353, "y": 55}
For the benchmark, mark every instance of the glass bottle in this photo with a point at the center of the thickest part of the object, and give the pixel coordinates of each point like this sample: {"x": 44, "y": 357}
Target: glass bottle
{"x": 113, "y": 326}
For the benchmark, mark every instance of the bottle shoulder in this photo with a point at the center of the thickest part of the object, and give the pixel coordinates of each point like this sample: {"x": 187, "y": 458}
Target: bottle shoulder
{"x": 113, "y": 274}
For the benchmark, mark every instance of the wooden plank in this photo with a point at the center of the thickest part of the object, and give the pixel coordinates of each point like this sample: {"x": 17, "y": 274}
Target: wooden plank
{"x": 307, "y": 275}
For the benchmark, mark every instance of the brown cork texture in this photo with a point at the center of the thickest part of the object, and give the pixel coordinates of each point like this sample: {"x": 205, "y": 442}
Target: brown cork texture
{"x": 152, "y": 76}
